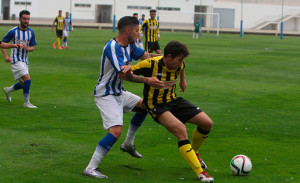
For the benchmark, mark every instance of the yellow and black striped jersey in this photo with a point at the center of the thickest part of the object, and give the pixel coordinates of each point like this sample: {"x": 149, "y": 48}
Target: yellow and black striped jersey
{"x": 59, "y": 22}
{"x": 151, "y": 29}
{"x": 155, "y": 67}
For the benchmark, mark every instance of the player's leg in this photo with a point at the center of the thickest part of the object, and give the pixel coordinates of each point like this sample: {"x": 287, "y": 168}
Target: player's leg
{"x": 157, "y": 48}
{"x": 8, "y": 90}
{"x": 136, "y": 122}
{"x": 204, "y": 125}
{"x": 194, "y": 35}
{"x": 177, "y": 128}
{"x": 197, "y": 34}
{"x": 114, "y": 126}
{"x": 26, "y": 91}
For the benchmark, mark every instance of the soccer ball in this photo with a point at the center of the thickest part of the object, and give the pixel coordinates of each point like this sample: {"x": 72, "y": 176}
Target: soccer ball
{"x": 240, "y": 165}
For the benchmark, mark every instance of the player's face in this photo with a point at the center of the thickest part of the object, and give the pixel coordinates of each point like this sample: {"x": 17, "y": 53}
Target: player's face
{"x": 153, "y": 15}
{"x": 134, "y": 31}
{"x": 136, "y": 16}
{"x": 67, "y": 15}
{"x": 59, "y": 13}
{"x": 24, "y": 21}
{"x": 174, "y": 63}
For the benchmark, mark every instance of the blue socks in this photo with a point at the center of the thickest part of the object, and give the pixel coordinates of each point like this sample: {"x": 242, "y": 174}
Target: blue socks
{"x": 18, "y": 86}
{"x": 138, "y": 119}
{"x": 107, "y": 142}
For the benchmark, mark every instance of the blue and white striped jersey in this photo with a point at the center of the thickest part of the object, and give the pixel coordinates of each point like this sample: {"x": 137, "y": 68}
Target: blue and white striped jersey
{"x": 18, "y": 36}
{"x": 68, "y": 22}
{"x": 114, "y": 56}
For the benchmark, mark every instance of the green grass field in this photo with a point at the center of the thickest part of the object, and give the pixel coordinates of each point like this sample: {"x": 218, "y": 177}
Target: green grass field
{"x": 250, "y": 87}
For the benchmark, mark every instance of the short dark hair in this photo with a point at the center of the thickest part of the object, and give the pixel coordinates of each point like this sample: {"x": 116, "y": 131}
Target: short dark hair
{"x": 59, "y": 10}
{"x": 143, "y": 14}
{"x": 153, "y": 10}
{"x": 135, "y": 14}
{"x": 26, "y": 12}
{"x": 176, "y": 48}
{"x": 127, "y": 21}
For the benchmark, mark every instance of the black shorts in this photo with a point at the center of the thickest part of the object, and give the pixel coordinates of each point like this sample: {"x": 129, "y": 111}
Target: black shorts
{"x": 59, "y": 33}
{"x": 152, "y": 46}
{"x": 180, "y": 108}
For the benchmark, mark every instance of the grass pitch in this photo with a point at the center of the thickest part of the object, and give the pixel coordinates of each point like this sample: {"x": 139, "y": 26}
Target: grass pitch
{"x": 249, "y": 87}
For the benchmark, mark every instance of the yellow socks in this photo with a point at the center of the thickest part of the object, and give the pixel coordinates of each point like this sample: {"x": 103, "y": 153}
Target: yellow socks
{"x": 199, "y": 136}
{"x": 189, "y": 156}
{"x": 57, "y": 41}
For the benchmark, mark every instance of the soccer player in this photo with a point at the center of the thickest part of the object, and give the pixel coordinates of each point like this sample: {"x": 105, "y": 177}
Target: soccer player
{"x": 151, "y": 31}
{"x": 110, "y": 96}
{"x": 66, "y": 29}
{"x": 18, "y": 59}
{"x": 171, "y": 111}
{"x": 141, "y": 20}
{"x": 138, "y": 42}
{"x": 196, "y": 29}
{"x": 59, "y": 21}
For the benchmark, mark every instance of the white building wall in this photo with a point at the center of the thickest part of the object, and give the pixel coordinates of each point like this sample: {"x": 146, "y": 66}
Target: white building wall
{"x": 253, "y": 14}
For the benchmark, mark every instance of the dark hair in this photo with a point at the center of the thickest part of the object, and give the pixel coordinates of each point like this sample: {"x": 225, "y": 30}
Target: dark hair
{"x": 135, "y": 14}
{"x": 59, "y": 10}
{"x": 176, "y": 48}
{"x": 26, "y": 12}
{"x": 153, "y": 10}
{"x": 143, "y": 14}
{"x": 127, "y": 21}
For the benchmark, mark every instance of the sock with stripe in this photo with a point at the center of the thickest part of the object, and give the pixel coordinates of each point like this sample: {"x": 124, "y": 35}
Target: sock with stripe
{"x": 26, "y": 90}
{"x": 189, "y": 156}
{"x": 102, "y": 149}
{"x": 136, "y": 121}
{"x": 199, "y": 136}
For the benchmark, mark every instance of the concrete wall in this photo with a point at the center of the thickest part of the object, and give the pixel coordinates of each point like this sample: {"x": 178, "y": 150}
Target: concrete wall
{"x": 253, "y": 13}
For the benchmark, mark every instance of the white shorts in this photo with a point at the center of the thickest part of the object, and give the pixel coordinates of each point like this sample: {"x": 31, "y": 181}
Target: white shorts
{"x": 66, "y": 33}
{"x": 19, "y": 69}
{"x": 112, "y": 107}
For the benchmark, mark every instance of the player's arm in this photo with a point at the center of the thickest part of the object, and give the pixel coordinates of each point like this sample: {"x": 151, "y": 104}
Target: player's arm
{"x": 142, "y": 26}
{"x": 147, "y": 55}
{"x": 29, "y": 49}
{"x": 6, "y": 57}
{"x": 8, "y": 45}
{"x": 158, "y": 36}
{"x": 182, "y": 83}
{"x": 53, "y": 23}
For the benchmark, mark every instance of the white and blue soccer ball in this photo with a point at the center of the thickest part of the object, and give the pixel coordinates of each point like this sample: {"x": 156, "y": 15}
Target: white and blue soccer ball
{"x": 241, "y": 165}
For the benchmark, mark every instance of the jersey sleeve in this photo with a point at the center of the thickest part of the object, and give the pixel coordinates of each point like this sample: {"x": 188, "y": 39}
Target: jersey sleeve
{"x": 142, "y": 68}
{"x": 144, "y": 24}
{"x": 136, "y": 52}
{"x": 8, "y": 37}
{"x": 32, "y": 40}
{"x": 114, "y": 54}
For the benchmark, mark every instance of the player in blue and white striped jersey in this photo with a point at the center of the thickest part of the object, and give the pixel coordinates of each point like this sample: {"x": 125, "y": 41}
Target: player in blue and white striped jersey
{"x": 110, "y": 96}
{"x": 66, "y": 30}
{"x": 18, "y": 59}
{"x": 139, "y": 41}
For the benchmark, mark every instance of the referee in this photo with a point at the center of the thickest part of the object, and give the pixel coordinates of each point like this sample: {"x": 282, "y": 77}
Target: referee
{"x": 151, "y": 29}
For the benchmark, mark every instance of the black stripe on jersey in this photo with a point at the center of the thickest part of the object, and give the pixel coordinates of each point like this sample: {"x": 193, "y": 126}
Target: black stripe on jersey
{"x": 159, "y": 75}
{"x": 147, "y": 87}
{"x": 166, "y": 90}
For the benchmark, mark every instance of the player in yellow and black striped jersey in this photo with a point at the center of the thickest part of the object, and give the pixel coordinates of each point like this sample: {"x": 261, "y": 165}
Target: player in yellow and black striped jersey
{"x": 172, "y": 111}
{"x": 59, "y": 21}
{"x": 151, "y": 31}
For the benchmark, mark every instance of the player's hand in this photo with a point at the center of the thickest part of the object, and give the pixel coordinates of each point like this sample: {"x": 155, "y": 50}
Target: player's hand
{"x": 182, "y": 86}
{"x": 25, "y": 47}
{"x": 7, "y": 59}
{"x": 158, "y": 38}
{"x": 140, "y": 38}
{"x": 126, "y": 68}
{"x": 153, "y": 81}
{"x": 17, "y": 45}
{"x": 52, "y": 30}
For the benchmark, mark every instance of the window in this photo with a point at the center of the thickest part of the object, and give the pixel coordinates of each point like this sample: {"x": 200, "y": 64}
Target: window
{"x": 168, "y": 9}
{"x": 22, "y": 3}
{"x": 82, "y": 5}
{"x": 139, "y": 7}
